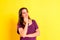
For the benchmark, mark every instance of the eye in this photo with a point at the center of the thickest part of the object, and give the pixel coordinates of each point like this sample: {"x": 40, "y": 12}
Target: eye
{"x": 24, "y": 13}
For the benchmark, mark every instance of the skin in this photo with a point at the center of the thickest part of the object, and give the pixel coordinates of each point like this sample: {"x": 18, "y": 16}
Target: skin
{"x": 23, "y": 32}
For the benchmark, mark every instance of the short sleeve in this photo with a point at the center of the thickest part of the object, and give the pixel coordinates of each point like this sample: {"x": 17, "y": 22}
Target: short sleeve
{"x": 18, "y": 26}
{"x": 35, "y": 24}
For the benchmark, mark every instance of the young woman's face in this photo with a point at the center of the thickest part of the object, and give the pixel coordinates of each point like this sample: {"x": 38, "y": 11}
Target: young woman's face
{"x": 24, "y": 13}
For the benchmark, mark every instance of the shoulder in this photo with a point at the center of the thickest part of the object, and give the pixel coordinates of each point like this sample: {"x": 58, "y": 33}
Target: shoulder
{"x": 35, "y": 24}
{"x": 33, "y": 20}
{"x": 19, "y": 24}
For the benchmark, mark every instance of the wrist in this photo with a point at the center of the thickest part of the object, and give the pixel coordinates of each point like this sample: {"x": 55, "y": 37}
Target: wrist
{"x": 26, "y": 36}
{"x": 26, "y": 22}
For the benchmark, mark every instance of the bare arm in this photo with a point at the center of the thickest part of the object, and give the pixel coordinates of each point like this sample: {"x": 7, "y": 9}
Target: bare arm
{"x": 37, "y": 33}
{"x": 23, "y": 31}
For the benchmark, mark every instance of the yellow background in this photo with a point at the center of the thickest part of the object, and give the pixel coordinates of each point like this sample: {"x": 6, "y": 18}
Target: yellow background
{"x": 45, "y": 12}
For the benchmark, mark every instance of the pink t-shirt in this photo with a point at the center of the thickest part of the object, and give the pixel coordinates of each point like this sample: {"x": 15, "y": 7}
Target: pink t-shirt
{"x": 31, "y": 29}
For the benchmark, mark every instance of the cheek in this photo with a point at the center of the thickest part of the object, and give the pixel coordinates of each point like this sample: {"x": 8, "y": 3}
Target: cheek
{"x": 26, "y": 14}
{"x": 23, "y": 15}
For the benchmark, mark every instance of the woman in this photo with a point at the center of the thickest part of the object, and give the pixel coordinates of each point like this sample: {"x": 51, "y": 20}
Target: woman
{"x": 27, "y": 27}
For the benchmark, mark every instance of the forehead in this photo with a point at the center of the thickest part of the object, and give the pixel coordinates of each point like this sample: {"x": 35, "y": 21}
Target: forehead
{"x": 24, "y": 10}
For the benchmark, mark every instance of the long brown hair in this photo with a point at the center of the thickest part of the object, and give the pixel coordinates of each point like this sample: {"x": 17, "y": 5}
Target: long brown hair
{"x": 21, "y": 20}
